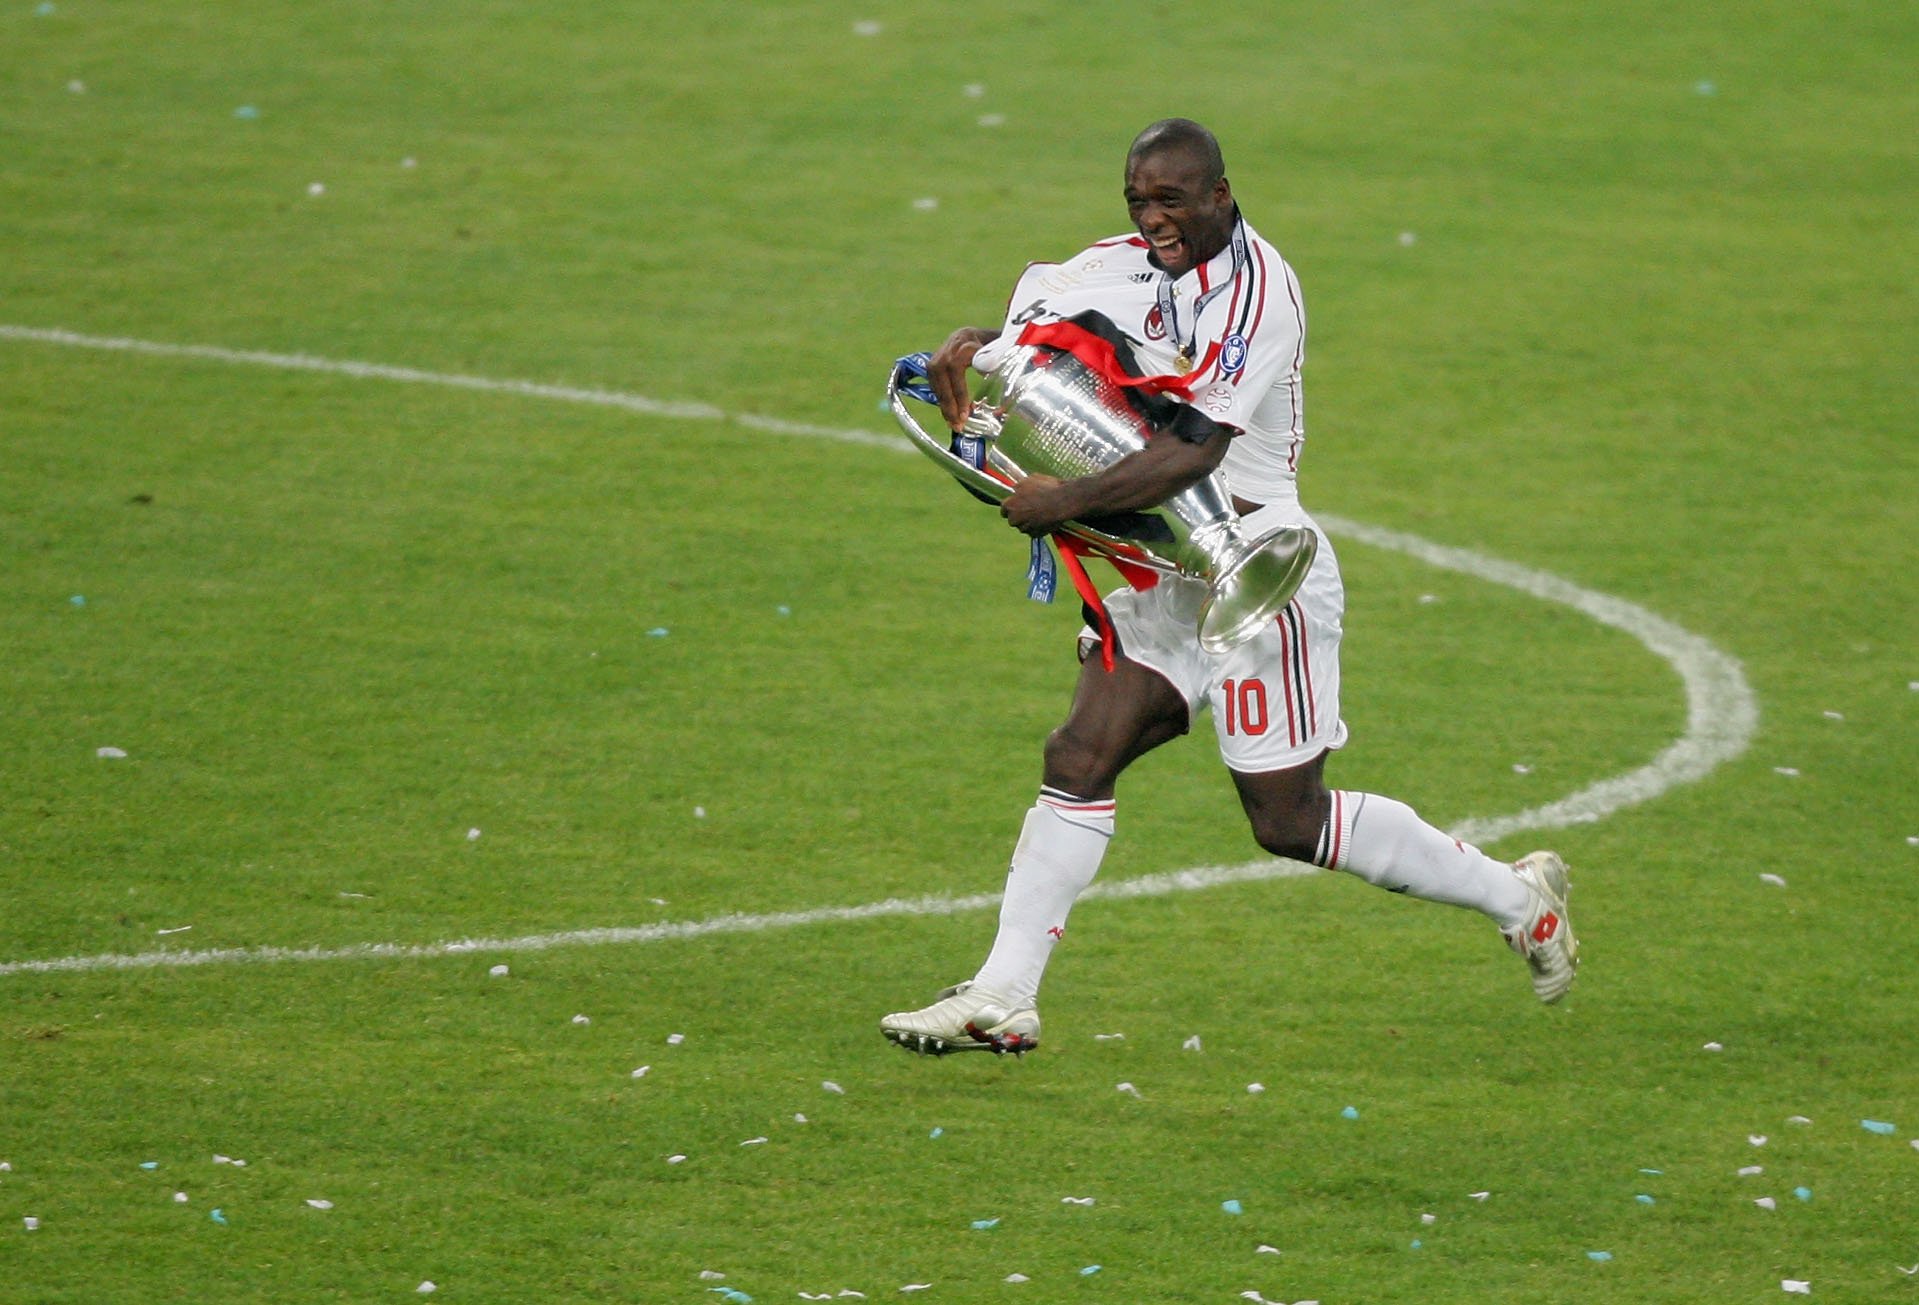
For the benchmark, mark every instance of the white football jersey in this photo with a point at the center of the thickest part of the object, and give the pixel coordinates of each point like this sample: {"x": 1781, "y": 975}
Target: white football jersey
{"x": 1232, "y": 332}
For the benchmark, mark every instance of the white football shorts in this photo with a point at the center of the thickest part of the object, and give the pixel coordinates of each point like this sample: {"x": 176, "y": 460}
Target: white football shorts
{"x": 1274, "y": 698}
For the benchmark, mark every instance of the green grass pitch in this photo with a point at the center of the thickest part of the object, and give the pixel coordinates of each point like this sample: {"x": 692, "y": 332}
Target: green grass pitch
{"x": 1619, "y": 294}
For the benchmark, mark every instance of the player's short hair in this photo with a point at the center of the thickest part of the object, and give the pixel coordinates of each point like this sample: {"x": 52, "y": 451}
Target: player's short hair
{"x": 1185, "y": 136}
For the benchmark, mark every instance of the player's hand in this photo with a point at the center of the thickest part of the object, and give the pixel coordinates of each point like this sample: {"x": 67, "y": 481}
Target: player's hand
{"x": 947, "y": 372}
{"x": 1038, "y": 505}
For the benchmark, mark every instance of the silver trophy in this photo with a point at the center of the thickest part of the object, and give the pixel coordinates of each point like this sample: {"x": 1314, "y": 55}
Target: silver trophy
{"x": 1044, "y": 412}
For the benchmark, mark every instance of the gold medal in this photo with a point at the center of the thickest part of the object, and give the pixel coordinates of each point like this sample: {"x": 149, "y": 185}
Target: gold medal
{"x": 1183, "y": 362}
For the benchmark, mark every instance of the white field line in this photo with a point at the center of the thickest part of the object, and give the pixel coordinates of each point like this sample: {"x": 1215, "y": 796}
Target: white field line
{"x": 1721, "y": 718}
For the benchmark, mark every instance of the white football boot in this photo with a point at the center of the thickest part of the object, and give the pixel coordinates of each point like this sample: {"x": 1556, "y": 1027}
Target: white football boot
{"x": 1546, "y": 938}
{"x": 964, "y": 1018}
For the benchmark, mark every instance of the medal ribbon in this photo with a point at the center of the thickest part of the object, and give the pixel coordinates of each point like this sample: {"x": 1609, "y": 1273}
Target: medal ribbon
{"x": 1169, "y": 311}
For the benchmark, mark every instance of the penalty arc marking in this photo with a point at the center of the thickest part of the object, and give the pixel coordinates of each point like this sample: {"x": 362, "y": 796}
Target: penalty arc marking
{"x": 1722, "y": 714}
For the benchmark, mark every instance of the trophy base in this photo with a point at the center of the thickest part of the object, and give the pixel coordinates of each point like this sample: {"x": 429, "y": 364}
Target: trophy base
{"x": 1254, "y": 585}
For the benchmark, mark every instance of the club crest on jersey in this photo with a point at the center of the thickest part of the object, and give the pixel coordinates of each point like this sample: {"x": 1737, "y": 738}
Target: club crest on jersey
{"x": 1155, "y": 324}
{"x": 1232, "y": 354}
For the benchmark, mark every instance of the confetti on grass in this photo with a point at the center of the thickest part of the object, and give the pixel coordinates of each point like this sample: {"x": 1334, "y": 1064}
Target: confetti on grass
{"x": 1877, "y": 1126}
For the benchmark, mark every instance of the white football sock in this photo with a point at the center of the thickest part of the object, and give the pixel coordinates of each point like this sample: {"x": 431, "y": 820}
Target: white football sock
{"x": 1386, "y": 843}
{"x": 1059, "y": 851}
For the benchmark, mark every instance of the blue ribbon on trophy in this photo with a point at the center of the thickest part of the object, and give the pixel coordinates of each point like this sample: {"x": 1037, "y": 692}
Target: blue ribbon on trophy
{"x": 910, "y": 377}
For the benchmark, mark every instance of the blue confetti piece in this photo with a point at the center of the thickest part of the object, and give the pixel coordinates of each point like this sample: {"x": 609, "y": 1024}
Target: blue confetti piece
{"x": 1877, "y": 1126}
{"x": 1803, "y": 1193}
{"x": 1232, "y": 1207}
{"x": 784, "y": 610}
{"x": 78, "y": 600}
{"x": 732, "y": 1294}
{"x": 149, "y": 1164}
{"x": 938, "y": 1132}
{"x": 217, "y": 1216}
{"x": 658, "y": 632}
{"x": 981, "y": 1225}
{"x": 1643, "y": 1199}
{"x": 1416, "y": 1244}
{"x": 44, "y": 8}
{"x": 1089, "y": 1271}
{"x": 1599, "y": 1257}
{"x": 246, "y": 112}
{"x": 1350, "y": 1112}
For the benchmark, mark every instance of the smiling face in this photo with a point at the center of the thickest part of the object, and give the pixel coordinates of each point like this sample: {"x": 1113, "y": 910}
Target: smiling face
{"x": 1179, "y": 205}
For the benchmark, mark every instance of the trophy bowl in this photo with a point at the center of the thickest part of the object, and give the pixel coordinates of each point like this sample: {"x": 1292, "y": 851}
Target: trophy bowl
{"x": 1044, "y": 412}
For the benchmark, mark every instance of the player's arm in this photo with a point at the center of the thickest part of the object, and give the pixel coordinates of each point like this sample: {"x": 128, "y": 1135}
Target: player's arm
{"x": 1168, "y": 464}
{"x": 947, "y": 372}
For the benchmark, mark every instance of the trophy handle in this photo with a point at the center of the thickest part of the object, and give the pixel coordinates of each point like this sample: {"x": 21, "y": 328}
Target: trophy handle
{"x": 997, "y": 491}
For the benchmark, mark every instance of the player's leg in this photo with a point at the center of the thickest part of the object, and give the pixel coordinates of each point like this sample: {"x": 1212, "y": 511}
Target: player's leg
{"x": 1117, "y": 716}
{"x": 1275, "y": 702}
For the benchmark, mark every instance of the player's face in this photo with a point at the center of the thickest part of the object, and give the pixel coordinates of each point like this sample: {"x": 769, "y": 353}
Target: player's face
{"x": 1185, "y": 220}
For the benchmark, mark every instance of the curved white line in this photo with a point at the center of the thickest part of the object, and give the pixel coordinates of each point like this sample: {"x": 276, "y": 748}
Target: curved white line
{"x": 1721, "y": 718}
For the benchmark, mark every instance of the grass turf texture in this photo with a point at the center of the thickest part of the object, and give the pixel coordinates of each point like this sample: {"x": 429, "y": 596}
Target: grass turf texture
{"x": 1652, "y": 333}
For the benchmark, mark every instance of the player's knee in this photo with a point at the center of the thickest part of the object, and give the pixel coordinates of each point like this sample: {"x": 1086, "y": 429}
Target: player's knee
{"x": 1292, "y": 829}
{"x": 1077, "y": 764}
{"x": 1291, "y": 838}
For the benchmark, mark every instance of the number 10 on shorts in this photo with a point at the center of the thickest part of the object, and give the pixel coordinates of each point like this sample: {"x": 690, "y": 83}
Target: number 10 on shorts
{"x": 1245, "y": 706}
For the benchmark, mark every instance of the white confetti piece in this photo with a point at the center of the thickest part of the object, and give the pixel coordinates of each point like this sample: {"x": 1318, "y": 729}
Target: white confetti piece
{"x": 642, "y": 1071}
{"x": 1268, "y": 1250}
{"x": 973, "y": 90}
{"x": 830, "y": 1086}
{"x": 1108, "y": 1037}
{"x": 581, "y": 1019}
{"x": 1128, "y": 1089}
{"x": 109, "y": 752}
{"x": 77, "y": 87}
{"x": 1751, "y": 1171}
{"x": 1777, "y": 881}
{"x": 825, "y": 1295}
{"x": 916, "y": 1286}
{"x": 657, "y": 901}
{"x": 162, "y": 933}
{"x": 6, "y": 1166}
{"x": 754, "y": 1141}
{"x": 1713, "y": 1046}
{"x": 799, "y": 1119}
{"x": 409, "y": 163}
{"x": 1255, "y": 1088}
{"x": 1797, "y": 1119}
{"x": 1191, "y": 1044}
{"x": 926, "y": 203}
{"x": 1429, "y": 1218}
{"x": 1833, "y": 715}
{"x": 1915, "y": 1143}
{"x": 179, "y": 1198}
{"x": 1790, "y": 772}
{"x": 1521, "y": 768}
{"x": 316, "y": 189}
{"x": 1912, "y": 840}
{"x": 472, "y": 835}
{"x": 1479, "y": 1196}
{"x": 676, "y": 1159}
{"x": 1077, "y": 1200}
{"x": 1795, "y": 1286}
{"x": 1908, "y": 1272}
{"x": 1757, "y": 1139}
{"x": 855, "y": 1295}
{"x": 1766, "y": 1203}
{"x": 1015, "y": 1277}
{"x": 320, "y": 1205}
{"x": 712, "y": 1275}
{"x": 1408, "y": 239}
{"x": 699, "y": 813}
{"x": 867, "y": 27}
{"x": 992, "y": 120}
{"x": 675, "y": 1039}
{"x": 427, "y": 1288}
{"x": 499, "y": 971}
{"x": 31, "y": 1222}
